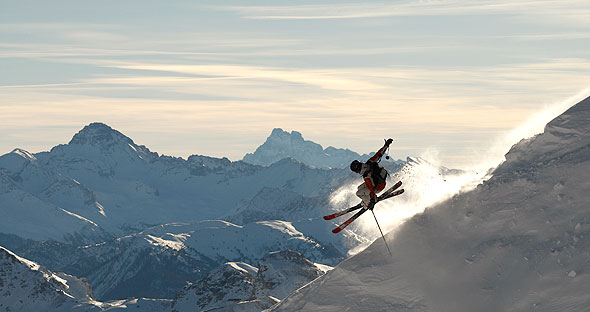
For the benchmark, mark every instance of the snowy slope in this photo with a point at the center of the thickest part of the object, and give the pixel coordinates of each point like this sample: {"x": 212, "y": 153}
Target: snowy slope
{"x": 224, "y": 241}
{"x": 238, "y": 286}
{"x": 203, "y": 245}
{"x": 30, "y": 216}
{"x": 157, "y": 262}
{"x": 518, "y": 242}
{"x": 27, "y": 286}
{"x": 230, "y": 286}
{"x": 282, "y": 272}
{"x": 278, "y": 204}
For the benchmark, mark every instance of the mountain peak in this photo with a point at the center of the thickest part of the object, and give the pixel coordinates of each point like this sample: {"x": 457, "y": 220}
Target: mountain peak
{"x": 282, "y": 144}
{"x": 98, "y": 133}
{"x": 278, "y": 133}
{"x": 24, "y": 154}
{"x": 16, "y": 160}
{"x": 100, "y": 139}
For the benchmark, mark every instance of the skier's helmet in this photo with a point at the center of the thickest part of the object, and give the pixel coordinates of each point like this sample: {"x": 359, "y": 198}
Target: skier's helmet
{"x": 356, "y": 166}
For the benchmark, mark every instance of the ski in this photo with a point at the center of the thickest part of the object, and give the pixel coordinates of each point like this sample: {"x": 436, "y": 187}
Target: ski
{"x": 398, "y": 192}
{"x": 391, "y": 189}
{"x": 353, "y": 208}
{"x": 358, "y": 214}
{"x": 384, "y": 195}
{"x": 387, "y": 194}
{"x": 343, "y": 212}
{"x": 349, "y": 221}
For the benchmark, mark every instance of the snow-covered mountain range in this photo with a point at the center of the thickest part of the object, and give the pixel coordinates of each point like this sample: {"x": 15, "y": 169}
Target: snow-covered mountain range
{"x": 138, "y": 224}
{"x": 517, "y": 242}
{"x": 234, "y": 286}
{"x": 158, "y": 261}
{"x": 102, "y": 183}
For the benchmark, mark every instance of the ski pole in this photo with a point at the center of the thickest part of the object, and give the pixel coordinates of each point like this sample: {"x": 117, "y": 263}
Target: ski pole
{"x": 386, "y": 151}
{"x": 381, "y": 233}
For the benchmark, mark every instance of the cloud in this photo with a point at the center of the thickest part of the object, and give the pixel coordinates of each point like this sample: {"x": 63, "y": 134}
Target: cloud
{"x": 575, "y": 8}
{"x": 547, "y": 36}
{"x": 375, "y": 83}
{"x": 68, "y": 32}
{"x": 449, "y": 99}
{"x": 322, "y": 78}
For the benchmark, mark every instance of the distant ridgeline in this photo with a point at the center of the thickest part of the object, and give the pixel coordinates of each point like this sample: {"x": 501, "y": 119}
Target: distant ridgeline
{"x": 281, "y": 144}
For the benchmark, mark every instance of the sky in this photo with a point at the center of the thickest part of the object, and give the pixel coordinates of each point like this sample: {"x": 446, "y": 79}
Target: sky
{"x": 215, "y": 77}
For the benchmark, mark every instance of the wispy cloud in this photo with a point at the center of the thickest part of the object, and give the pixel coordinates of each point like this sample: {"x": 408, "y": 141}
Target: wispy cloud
{"x": 547, "y": 36}
{"x": 323, "y": 78}
{"x": 411, "y": 8}
{"x": 72, "y": 32}
{"x": 334, "y": 108}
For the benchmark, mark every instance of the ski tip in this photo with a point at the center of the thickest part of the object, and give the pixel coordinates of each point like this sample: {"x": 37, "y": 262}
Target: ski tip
{"x": 401, "y": 191}
{"x": 336, "y": 230}
{"x": 327, "y": 218}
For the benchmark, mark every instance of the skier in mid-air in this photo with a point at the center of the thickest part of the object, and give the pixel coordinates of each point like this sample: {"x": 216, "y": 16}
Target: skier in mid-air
{"x": 374, "y": 181}
{"x": 374, "y": 176}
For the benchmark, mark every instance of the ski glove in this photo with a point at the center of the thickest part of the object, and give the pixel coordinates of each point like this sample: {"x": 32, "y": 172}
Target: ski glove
{"x": 371, "y": 204}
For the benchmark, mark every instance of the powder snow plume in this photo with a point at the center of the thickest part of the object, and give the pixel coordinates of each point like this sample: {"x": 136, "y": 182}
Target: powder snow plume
{"x": 534, "y": 125}
{"x": 425, "y": 184}
{"x": 428, "y": 182}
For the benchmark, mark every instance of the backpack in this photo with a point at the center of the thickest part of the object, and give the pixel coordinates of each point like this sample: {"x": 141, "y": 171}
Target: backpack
{"x": 378, "y": 173}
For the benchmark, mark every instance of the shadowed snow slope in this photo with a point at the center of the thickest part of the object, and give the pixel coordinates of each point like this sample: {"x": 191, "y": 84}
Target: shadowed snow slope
{"x": 237, "y": 286}
{"x": 518, "y": 242}
{"x": 27, "y": 286}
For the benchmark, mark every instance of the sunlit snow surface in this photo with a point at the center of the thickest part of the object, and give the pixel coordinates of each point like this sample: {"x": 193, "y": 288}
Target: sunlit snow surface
{"x": 517, "y": 242}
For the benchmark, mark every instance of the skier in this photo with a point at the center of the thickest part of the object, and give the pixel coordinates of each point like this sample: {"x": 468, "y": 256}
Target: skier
{"x": 374, "y": 176}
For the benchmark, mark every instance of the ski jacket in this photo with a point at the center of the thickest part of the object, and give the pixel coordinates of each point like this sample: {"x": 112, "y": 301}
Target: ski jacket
{"x": 373, "y": 174}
